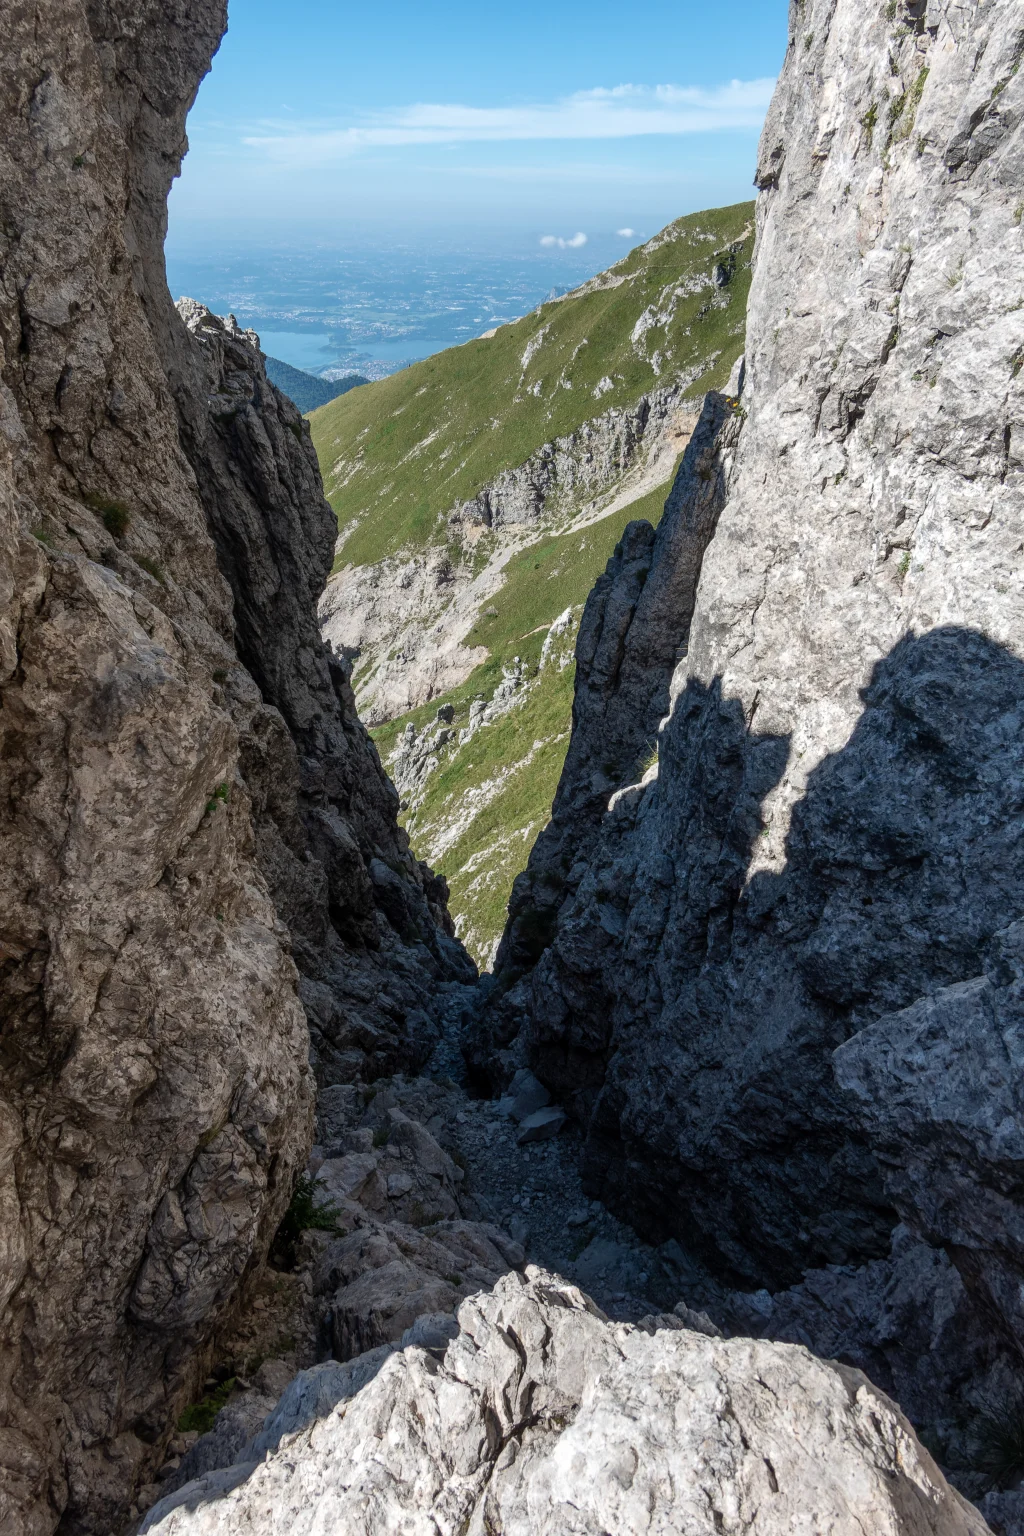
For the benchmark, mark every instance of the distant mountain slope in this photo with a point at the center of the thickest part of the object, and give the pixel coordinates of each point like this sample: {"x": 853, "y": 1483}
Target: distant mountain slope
{"x": 479, "y": 495}
{"x": 304, "y": 389}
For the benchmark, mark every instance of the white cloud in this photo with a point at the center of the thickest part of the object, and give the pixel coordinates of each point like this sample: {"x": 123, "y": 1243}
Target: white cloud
{"x": 572, "y": 244}
{"x": 627, "y": 234}
{"x": 625, "y": 111}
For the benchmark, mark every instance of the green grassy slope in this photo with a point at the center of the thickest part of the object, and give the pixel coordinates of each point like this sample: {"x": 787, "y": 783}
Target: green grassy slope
{"x": 304, "y": 389}
{"x": 397, "y": 455}
{"x": 496, "y": 823}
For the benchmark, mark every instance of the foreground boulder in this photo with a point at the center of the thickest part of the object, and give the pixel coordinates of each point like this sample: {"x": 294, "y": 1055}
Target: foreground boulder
{"x": 543, "y": 1417}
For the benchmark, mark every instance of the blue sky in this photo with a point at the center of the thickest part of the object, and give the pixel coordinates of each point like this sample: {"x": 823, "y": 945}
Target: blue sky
{"x": 552, "y": 120}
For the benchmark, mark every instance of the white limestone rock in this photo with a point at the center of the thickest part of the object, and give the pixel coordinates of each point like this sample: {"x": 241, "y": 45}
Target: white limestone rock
{"x": 544, "y": 1419}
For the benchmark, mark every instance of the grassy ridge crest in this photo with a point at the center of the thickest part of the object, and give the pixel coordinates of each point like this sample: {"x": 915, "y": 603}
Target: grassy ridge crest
{"x": 397, "y": 455}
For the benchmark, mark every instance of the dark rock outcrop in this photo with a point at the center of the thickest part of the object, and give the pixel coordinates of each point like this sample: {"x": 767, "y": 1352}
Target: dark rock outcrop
{"x": 635, "y": 626}
{"x": 186, "y": 794}
{"x": 938, "y": 1090}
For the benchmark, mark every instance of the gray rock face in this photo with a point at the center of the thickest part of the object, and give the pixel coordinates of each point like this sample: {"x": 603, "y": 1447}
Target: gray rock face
{"x": 582, "y": 464}
{"x": 187, "y": 798}
{"x": 834, "y": 828}
{"x": 937, "y": 1089}
{"x": 545, "y": 1418}
{"x": 909, "y": 1323}
{"x": 369, "y": 926}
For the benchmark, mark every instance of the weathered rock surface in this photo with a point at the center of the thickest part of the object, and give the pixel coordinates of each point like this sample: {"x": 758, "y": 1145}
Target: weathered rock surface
{"x": 369, "y": 926}
{"x": 834, "y": 827}
{"x": 189, "y": 806}
{"x": 544, "y": 1417}
{"x": 938, "y": 1090}
{"x": 909, "y": 1323}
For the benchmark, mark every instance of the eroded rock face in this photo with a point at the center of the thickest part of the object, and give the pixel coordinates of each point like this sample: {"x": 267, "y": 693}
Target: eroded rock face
{"x": 544, "y": 1417}
{"x": 834, "y": 828}
{"x": 181, "y": 771}
{"x": 937, "y": 1089}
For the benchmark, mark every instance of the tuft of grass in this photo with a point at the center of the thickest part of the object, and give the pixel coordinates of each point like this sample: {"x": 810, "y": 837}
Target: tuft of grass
{"x": 115, "y": 515}
{"x": 484, "y": 410}
{"x": 869, "y": 122}
{"x": 200, "y": 1416}
{"x": 151, "y": 567}
{"x": 903, "y": 112}
{"x": 904, "y": 565}
{"x": 999, "y": 1444}
{"x": 381, "y": 1136}
{"x": 304, "y": 1214}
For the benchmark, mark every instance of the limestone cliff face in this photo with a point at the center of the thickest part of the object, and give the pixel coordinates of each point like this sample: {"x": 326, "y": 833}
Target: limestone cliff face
{"x": 834, "y": 828}
{"x": 187, "y": 796}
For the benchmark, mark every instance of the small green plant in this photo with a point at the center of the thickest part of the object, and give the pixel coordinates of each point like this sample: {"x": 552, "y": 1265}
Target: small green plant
{"x": 219, "y": 675}
{"x": 869, "y": 122}
{"x": 455, "y": 1280}
{"x": 380, "y": 1136}
{"x": 650, "y": 760}
{"x": 151, "y": 567}
{"x": 890, "y": 10}
{"x": 220, "y": 796}
{"x": 114, "y": 514}
{"x": 200, "y": 1416}
{"x": 78, "y": 162}
{"x": 304, "y": 1214}
{"x": 999, "y": 1444}
{"x": 896, "y": 107}
{"x": 41, "y": 534}
{"x": 1018, "y": 214}
{"x": 903, "y": 112}
{"x": 904, "y": 565}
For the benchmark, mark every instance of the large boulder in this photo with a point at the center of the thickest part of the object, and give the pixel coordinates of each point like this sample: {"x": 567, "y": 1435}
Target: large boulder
{"x": 545, "y": 1419}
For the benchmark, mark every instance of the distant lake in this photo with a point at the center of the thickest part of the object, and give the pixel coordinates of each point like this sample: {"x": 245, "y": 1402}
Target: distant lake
{"x": 315, "y": 305}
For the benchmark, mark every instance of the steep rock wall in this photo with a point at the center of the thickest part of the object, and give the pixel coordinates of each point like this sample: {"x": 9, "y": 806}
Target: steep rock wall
{"x": 181, "y": 771}
{"x": 835, "y": 826}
